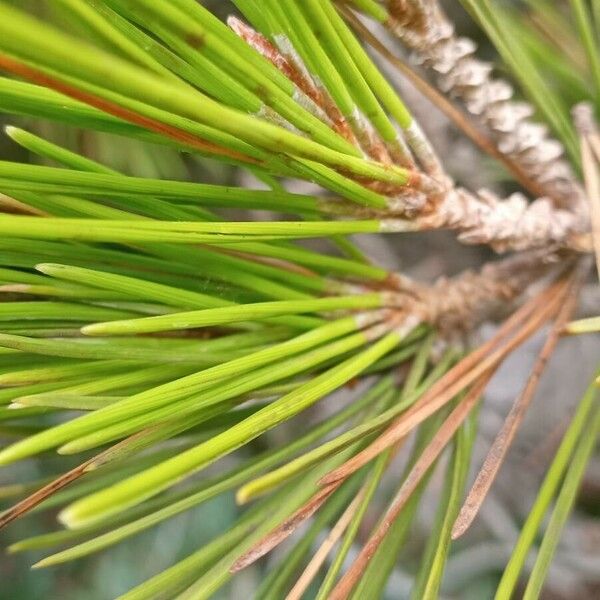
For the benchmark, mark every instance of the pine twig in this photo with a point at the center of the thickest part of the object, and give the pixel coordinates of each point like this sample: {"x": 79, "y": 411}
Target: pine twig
{"x": 484, "y": 218}
{"x": 508, "y": 224}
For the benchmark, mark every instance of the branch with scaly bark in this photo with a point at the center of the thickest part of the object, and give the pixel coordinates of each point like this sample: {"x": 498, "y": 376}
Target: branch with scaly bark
{"x": 504, "y": 224}
{"x": 508, "y": 224}
{"x": 560, "y": 217}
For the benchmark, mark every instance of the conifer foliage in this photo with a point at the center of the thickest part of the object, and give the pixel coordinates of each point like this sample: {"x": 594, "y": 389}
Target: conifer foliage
{"x": 146, "y": 337}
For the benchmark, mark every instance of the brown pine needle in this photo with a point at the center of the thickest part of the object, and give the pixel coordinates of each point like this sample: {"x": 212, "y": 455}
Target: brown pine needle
{"x": 27, "y": 504}
{"x": 297, "y": 75}
{"x": 591, "y": 177}
{"x": 505, "y": 437}
{"x": 24, "y": 506}
{"x": 10, "y": 205}
{"x": 433, "y": 450}
{"x": 312, "y": 569}
{"x": 277, "y": 535}
{"x": 530, "y": 317}
{"x": 29, "y": 73}
{"x": 267, "y": 260}
{"x": 283, "y": 531}
{"x": 594, "y": 140}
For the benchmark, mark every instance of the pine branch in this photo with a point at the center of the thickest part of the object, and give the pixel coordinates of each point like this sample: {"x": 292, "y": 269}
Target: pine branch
{"x": 142, "y": 326}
